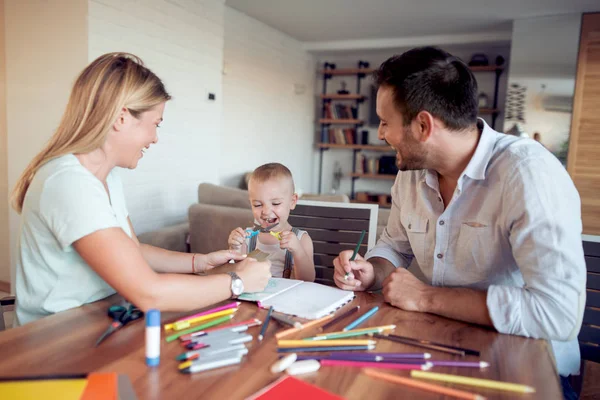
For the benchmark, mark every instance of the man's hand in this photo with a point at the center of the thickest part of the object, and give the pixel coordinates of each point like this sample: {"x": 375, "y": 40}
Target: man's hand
{"x": 403, "y": 290}
{"x": 357, "y": 275}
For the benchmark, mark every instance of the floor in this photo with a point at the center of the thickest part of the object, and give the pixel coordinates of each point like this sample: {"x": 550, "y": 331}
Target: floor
{"x": 8, "y": 314}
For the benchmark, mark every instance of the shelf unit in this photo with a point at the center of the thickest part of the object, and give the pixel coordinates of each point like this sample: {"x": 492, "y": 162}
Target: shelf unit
{"x": 494, "y": 111}
{"x": 329, "y": 71}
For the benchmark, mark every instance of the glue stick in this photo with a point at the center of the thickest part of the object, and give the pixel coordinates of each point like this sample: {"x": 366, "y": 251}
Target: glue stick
{"x": 152, "y": 338}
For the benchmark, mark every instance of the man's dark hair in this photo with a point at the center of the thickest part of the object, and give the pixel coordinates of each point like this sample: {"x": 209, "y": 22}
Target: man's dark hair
{"x": 430, "y": 79}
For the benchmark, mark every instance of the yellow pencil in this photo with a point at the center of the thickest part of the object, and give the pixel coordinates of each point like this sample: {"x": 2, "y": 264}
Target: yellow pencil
{"x": 383, "y": 327}
{"x": 464, "y": 380}
{"x": 304, "y": 326}
{"x": 324, "y": 343}
{"x": 179, "y": 325}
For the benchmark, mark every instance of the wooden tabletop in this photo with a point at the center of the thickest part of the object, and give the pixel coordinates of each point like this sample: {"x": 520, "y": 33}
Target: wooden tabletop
{"x": 64, "y": 343}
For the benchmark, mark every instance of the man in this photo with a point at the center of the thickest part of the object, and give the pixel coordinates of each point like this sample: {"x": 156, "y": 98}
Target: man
{"x": 484, "y": 227}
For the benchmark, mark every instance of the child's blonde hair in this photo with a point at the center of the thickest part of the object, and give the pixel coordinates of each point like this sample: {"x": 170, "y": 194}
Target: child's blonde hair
{"x": 271, "y": 171}
{"x": 110, "y": 83}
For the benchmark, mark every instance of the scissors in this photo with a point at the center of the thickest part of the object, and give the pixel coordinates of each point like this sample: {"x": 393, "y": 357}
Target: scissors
{"x": 121, "y": 316}
{"x": 257, "y": 229}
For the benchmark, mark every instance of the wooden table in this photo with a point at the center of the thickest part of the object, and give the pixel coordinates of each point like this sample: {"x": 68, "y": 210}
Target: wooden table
{"x": 64, "y": 343}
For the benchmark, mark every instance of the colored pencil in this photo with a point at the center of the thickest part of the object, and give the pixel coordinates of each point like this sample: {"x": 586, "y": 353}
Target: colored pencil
{"x": 263, "y": 330}
{"x": 317, "y": 349}
{"x": 222, "y": 341}
{"x": 286, "y": 320}
{"x": 205, "y": 359}
{"x": 208, "y": 351}
{"x": 464, "y": 380}
{"x": 324, "y": 343}
{"x": 357, "y": 332}
{"x": 362, "y": 236}
{"x": 392, "y": 338}
{"x": 465, "y": 364}
{"x": 362, "y": 318}
{"x": 213, "y": 310}
{"x": 212, "y": 365}
{"x": 467, "y": 352}
{"x": 199, "y": 327}
{"x": 304, "y": 326}
{"x": 390, "y": 355}
{"x": 247, "y": 324}
{"x": 340, "y": 317}
{"x": 367, "y": 364}
{"x": 178, "y": 326}
{"x": 377, "y": 359}
{"x": 461, "y": 394}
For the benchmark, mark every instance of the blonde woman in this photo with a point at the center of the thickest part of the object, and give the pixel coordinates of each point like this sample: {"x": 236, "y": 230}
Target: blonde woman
{"x": 76, "y": 243}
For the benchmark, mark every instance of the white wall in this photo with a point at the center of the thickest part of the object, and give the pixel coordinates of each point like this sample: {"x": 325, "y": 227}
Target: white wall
{"x": 182, "y": 42}
{"x": 46, "y": 47}
{"x": 544, "y": 59}
{"x": 375, "y": 58}
{"x": 4, "y": 231}
{"x": 264, "y": 118}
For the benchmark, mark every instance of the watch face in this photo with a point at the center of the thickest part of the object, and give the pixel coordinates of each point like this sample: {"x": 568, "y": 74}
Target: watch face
{"x": 237, "y": 287}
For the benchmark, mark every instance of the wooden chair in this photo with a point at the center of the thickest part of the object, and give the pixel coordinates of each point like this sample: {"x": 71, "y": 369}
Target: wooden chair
{"x": 589, "y": 336}
{"x": 6, "y": 304}
{"x": 334, "y": 227}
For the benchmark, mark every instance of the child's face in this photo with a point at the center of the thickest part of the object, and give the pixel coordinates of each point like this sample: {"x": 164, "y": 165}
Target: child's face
{"x": 271, "y": 202}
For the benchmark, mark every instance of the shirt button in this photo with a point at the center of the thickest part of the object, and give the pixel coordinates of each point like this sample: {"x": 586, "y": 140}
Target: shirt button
{"x": 440, "y": 255}
{"x": 442, "y": 222}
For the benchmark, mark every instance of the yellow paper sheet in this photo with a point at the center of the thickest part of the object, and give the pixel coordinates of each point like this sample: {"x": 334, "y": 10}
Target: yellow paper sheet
{"x": 59, "y": 389}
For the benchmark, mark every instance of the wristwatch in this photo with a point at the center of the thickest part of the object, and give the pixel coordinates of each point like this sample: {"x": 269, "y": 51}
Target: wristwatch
{"x": 237, "y": 286}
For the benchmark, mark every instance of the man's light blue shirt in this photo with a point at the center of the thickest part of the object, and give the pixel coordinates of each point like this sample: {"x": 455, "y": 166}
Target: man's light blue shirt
{"x": 513, "y": 228}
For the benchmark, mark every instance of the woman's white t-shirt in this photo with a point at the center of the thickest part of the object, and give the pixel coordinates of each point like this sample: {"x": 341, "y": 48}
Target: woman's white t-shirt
{"x": 64, "y": 203}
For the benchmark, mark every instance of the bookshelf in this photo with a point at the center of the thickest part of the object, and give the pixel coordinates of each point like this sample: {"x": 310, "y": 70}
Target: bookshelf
{"x": 339, "y": 125}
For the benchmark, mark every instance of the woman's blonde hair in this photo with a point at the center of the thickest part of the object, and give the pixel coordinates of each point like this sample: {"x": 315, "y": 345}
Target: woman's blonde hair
{"x": 110, "y": 83}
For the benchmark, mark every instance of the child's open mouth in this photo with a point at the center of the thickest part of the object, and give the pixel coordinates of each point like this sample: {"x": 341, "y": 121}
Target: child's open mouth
{"x": 271, "y": 221}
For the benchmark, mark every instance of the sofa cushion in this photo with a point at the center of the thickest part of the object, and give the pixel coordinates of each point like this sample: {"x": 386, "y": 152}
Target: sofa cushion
{"x": 223, "y": 196}
{"x": 210, "y": 225}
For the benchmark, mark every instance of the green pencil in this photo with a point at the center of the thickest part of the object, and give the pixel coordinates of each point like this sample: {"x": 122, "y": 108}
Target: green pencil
{"x": 362, "y": 236}
{"x": 199, "y": 327}
{"x": 345, "y": 334}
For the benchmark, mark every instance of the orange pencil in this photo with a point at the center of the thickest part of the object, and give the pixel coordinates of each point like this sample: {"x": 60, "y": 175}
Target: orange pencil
{"x": 304, "y": 326}
{"x": 461, "y": 394}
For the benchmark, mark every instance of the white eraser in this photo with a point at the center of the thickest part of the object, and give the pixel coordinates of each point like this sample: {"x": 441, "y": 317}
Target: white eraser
{"x": 283, "y": 363}
{"x": 303, "y": 367}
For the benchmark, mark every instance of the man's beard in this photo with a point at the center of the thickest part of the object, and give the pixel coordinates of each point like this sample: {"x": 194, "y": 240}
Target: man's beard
{"x": 413, "y": 155}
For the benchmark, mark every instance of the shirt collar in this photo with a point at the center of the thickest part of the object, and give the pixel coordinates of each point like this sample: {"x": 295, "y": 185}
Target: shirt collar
{"x": 478, "y": 164}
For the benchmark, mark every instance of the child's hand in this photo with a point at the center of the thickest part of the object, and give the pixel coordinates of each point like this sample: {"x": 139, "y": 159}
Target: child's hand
{"x": 290, "y": 241}
{"x": 236, "y": 240}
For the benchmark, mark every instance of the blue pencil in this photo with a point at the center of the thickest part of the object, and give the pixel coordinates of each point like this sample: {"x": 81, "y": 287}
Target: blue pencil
{"x": 362, "y": 318}
{"x": 265, "y": 324}
{"x": 333, "y": 348}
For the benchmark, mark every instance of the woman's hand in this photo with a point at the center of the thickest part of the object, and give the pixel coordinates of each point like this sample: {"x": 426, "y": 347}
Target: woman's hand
{"x": 218, "y": 258}
{"x": 254, "y": 274}
{"x": 237, "y": 239}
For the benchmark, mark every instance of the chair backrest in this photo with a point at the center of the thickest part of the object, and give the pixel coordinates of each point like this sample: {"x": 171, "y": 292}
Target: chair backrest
{"x": 334, "y": 227}
{"x": 589, "y": 336}
{"x": 6, "y": 304}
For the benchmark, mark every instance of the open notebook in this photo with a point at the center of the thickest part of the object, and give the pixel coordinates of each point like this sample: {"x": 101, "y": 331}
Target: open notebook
{"x": 303, "y": 299}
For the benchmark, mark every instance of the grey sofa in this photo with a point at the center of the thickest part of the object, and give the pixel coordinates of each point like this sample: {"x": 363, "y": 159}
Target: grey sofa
{"x": 219, "y": 210}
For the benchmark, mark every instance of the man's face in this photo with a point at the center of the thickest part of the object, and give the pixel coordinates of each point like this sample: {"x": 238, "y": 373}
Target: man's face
{"x": 411, "y": 154}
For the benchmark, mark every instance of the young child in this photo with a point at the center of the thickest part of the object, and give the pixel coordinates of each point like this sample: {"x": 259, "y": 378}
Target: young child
{"x": 272, "y": 197}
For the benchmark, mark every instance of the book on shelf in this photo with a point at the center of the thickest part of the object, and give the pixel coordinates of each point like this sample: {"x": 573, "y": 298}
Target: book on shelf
{"x": 339, "y": 111}
{"x": 340, "y": 136}
{"x": 366, "y": 165}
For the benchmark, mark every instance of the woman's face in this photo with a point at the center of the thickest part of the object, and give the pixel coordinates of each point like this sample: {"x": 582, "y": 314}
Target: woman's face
{"x": 135, "y": 135}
